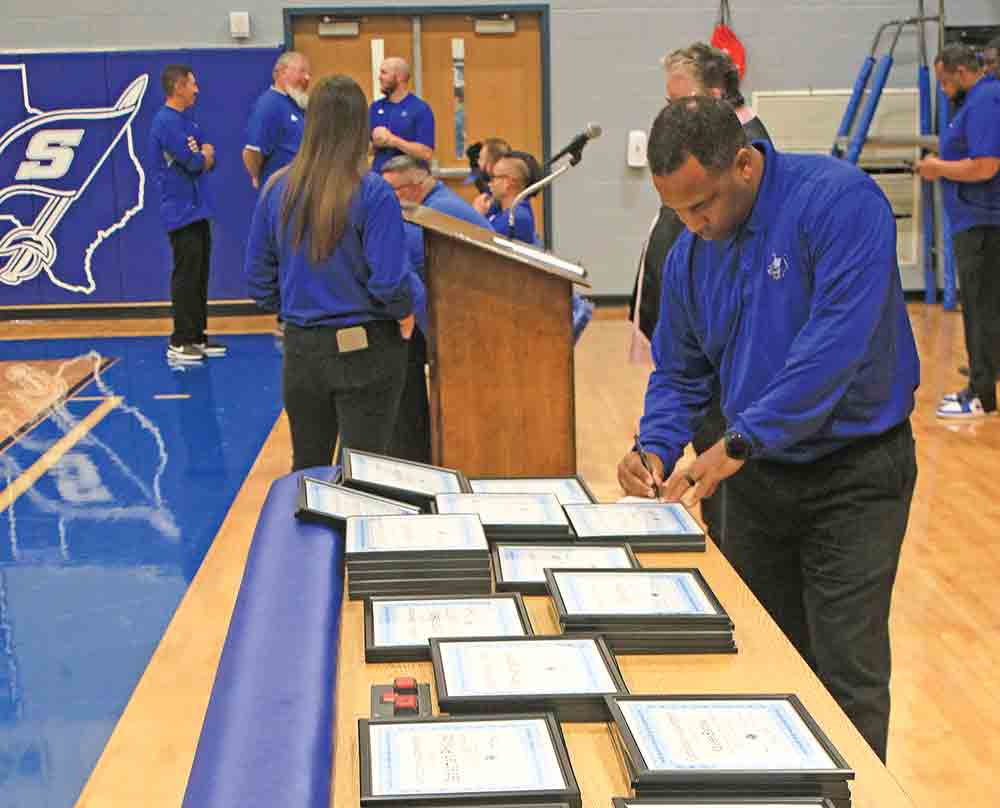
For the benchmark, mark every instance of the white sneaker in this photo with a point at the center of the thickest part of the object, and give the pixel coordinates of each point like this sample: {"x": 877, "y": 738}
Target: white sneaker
{"x": 961, "y": 406}
{"x": 185, "y": 353}
{"x": 211, "y": 348}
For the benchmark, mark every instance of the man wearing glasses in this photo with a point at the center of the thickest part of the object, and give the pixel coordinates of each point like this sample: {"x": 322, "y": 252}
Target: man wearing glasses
{"x": 511, "y": 175}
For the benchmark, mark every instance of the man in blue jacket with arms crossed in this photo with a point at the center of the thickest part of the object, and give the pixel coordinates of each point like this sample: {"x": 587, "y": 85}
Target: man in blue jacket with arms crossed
{"x": 785, "y": 288}
{"x": 181, "y": 160}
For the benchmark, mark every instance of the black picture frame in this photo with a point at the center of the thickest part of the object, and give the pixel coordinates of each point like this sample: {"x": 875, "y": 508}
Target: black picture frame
{"x": 686, "y": 542}
{"x": 567, "y": 707}
{"x": 495, "y": 531}
{"x": 721, "y": 618}
{"x": 422, "y": 652}
{"x": 640, "y": 773}
{"x": 540, "y": 587}
{"x": 422, "y": 499}
{"x": 426, "y": 556}
{"x": 306, "y": 512}
{"x": 575, "y": 477}
{"x": 570, "y": 795}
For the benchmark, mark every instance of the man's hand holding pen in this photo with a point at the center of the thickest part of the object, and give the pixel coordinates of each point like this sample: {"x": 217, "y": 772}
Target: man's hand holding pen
{"x": 640, "y": 473}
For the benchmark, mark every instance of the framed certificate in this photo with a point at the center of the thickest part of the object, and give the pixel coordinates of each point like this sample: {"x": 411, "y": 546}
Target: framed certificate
{"x": 727, "y": 802}
{"x": 328, "y": 502}
{"x": 510, "y": 515}
{"x": 568, "y": 676}
{"x": 568, "y": 490}
{"x": 404, "y": 480}
{"x": 714, "y": 739}
{"x": 634, "y": 596}
{"x": 414, "y": 536}
{"x": 519, "y": 759}
{"x": 398, "y": 628}
{"x": 520, "y": 566}
{"x": 650, "y": 525}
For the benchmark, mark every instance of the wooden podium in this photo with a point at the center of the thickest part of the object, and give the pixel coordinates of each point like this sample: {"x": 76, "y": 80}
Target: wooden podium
{"x": 500, "y": 351}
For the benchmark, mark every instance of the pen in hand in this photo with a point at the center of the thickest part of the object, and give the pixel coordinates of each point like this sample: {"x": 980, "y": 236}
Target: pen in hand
{"x": 645, "y": 464}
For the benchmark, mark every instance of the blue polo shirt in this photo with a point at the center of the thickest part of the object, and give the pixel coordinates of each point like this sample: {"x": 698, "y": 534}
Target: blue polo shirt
{"x": 800, "y": 316}
{"x": 275, "y": 130}
{"x": 410, "y": 119}
{"x": 524, "y": 223}
{"x": 974, "y": 132}
{"x": 444, "y": 200}
{"x": 176, "y": 172}
{"x": 367, "y": 277}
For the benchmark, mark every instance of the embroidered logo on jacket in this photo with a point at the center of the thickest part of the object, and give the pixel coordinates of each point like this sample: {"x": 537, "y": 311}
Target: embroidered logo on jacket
{"x": 778, "y": 267}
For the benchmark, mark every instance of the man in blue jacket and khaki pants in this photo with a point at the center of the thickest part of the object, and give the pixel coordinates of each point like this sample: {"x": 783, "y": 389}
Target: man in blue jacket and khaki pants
{"x": 785, "y": 288}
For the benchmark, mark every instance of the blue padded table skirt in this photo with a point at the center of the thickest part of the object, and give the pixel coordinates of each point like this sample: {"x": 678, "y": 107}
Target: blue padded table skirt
{"x": 267, "y": 740}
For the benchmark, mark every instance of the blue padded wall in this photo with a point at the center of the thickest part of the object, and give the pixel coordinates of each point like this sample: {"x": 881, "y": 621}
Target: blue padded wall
{"x": 106, "y": 245}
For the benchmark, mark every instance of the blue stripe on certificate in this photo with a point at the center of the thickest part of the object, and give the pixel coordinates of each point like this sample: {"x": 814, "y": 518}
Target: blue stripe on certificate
{"x": 633, "y": 593}
{"x": 632, "y": 519}
{"x": 463, "y": 756}
{"x": 718, "y": 735}
{"x": 506, "y": 509}
{"x": 414, "y": 533}
{"x": 527, "y": 564}
{"x": 394, "y": 473}
{"x": 566, "y": 489}
{"x": 412, "y": 622}
{"x": 536, "y": 667}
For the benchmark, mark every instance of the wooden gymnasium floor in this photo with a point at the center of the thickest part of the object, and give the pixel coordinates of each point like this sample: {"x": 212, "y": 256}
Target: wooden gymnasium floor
{"x": 945, "y": 721}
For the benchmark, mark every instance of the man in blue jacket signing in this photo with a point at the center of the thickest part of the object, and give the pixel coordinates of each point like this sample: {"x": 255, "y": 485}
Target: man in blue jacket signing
{"x": 784, "y": 288}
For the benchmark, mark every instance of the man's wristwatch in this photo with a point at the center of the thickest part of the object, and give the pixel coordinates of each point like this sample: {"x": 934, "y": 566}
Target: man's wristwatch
{"x": 738, "y": 445}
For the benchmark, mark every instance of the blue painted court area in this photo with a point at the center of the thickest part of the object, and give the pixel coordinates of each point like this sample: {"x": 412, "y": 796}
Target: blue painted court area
{"x": 96, "y": 555}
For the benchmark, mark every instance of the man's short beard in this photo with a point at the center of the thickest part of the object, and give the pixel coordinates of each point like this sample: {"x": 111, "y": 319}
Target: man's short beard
{"x": 300, "y": 97}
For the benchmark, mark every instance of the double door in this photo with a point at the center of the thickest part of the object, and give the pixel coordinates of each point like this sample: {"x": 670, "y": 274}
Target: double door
{"x": 479, "y": 83}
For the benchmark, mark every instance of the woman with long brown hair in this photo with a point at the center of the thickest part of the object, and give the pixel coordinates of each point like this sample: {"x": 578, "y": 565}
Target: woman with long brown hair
{"x": 327, "y": 250}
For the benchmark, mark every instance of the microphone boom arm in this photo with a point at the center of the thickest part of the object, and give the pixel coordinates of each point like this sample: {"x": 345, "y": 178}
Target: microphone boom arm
{"x": 547, "y": 180}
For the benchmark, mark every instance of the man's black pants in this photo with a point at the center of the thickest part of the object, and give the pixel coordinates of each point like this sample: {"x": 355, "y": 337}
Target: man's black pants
{"x": 977, "y": 254}
{"x": 192, "y": 249}
{"x": 819, "y": 544}
{"x": 412, "y": 437}
{"x": 355, "y": 394}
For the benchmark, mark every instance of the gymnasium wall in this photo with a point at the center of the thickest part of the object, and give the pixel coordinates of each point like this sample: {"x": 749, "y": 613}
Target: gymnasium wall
{"x": 604, "y": 67}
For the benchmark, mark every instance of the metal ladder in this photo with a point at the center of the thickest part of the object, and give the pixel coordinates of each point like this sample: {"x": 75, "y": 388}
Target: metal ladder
{"x": 934, "y": 241}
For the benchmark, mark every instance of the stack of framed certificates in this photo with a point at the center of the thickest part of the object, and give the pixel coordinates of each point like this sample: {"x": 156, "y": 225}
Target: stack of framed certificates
{"x": 333, "y": 504}
{"x": 443, "y": 762}
{"x": 403, "y": 480}
{"x": 520, "y": 566}
{"x": 653, "y": 526}
{"x": 727, "y": 748}
{"x": 568, "y": 676}
{"x": 642, "y": 611}
{"x": 511, "y": 516}
{"x": 568, "y": 490}
{"x": 398, "y": 629}
{"x": 416, "y": 555}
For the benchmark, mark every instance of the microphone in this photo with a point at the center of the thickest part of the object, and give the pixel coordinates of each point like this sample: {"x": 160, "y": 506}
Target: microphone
{"x": 575, "y": 147}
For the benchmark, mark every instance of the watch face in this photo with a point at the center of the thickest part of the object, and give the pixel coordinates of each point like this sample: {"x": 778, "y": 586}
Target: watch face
{"x": 737, "y": 446}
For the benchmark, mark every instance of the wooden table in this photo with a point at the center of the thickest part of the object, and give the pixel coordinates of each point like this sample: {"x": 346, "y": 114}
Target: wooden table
{"x": 766, "y": 663}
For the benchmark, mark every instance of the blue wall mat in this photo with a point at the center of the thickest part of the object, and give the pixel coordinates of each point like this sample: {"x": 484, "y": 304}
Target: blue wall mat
{"x": 79, "y": 220}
